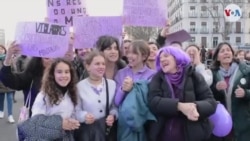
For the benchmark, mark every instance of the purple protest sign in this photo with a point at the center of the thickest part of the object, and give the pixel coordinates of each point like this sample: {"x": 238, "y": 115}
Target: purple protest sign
{"x": 63, "y": 11}
{"x": 42, "y": 39}
{"x": 88, "y": 29}
{"x": 180, "y": 36}
{"x": 151, "y": 13}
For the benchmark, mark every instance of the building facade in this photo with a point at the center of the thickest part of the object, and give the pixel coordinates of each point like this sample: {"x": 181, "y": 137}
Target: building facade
{"x": 2, "y": 37}
{"x": 204, "y": 20}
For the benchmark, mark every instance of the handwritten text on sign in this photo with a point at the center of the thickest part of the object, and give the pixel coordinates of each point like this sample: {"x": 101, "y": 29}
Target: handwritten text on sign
{"x": 63, "y": 11}
{"x": 150, "y": 13}
{"x": 88, "y": 29}
{"x": 42, "y": 39}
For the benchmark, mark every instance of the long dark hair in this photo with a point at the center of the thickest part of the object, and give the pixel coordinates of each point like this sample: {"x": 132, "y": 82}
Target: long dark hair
{"x": 216, "y": 64}
{"x": 50, "y": 87}
{"x": 5, "y": 51}
{"x": 105, "y": 42}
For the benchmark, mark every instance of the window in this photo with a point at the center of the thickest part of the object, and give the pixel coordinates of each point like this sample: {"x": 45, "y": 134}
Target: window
{"x": 204, "y": 24}
{"x": 227, "y": 38}
{"x": 192, "y": 26}
{"x": 238, "y": 27}
{"x": 192, "y": 8}
{"x": 215, "y": 8}
{"x": 238, "y": 40}
{"x": 192, "y": 39}
{"x": 249, "y": 13}
{"x": 215, "y": 41}
{"x": 204, "y": 41}
{"x": 192, "y": 23}
{"x": 215, "y": 27}
{"x": 203, "y": 8}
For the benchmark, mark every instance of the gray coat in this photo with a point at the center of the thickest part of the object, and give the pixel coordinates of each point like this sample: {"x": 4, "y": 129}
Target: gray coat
{"x": 43, "y": 128}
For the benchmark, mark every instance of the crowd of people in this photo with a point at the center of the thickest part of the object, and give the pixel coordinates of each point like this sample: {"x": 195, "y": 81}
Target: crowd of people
{"x": 134, "y": 92}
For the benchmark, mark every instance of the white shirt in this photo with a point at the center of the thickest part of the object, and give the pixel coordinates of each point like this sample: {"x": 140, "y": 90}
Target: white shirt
{"x": 41, "y": 106}
{"x": 93, "y": 103}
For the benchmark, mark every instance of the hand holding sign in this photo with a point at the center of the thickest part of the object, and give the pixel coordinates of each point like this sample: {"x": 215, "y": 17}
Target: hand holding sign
{"x": 165, "y": 30}
{"x": 13, "y": 49}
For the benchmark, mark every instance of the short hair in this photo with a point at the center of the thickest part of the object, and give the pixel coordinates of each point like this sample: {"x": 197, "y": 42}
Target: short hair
{"x": 89, "y": 57}
{"x": 154, "y": 43}
{"x": 176, "y": 42}
{"x": 140, "y": 46}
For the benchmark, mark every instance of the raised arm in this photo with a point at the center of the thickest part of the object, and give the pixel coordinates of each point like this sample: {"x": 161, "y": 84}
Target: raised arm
{"x": 17, "y": 81}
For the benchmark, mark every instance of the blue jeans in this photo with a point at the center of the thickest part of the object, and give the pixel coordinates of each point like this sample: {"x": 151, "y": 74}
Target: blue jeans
{"x": 9, "y": 101}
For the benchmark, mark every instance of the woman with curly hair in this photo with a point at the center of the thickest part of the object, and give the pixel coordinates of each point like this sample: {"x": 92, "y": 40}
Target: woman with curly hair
{"x": 58, "y": 94}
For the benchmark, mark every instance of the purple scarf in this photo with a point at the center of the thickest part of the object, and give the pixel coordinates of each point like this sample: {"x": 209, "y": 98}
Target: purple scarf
{"x": 182, "y": 61}
{"x": 176, "y": 78}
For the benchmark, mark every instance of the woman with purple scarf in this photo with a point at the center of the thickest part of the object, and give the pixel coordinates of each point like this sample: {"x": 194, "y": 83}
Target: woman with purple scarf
{"x": 180, "y": 99}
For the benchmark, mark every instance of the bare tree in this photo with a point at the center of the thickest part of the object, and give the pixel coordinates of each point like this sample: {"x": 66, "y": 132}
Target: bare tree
{"x": 144, "y": 33}
{"x": 222, "y": 27}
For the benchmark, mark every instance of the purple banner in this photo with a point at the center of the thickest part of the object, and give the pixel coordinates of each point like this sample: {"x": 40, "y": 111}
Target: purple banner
{"x": 180, "y": 36}
{"x": 63, "y": 11}
{"x": 38, "y": 39}
{"x": 151, "y": 13}
{"x": 88, "y": 29}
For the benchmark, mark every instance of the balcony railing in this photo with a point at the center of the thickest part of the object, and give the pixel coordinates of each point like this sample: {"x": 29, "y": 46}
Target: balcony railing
{"x": 192, "y": 1}
{"x": 204, "y": 1}
{"x": 204, "y": 30}
{"x": 215, "y": 1}
{"x": 238, "y": 31}
{"x": 193, "y": 31}
{"x": 192, "y": 15}
{"x": 204, "y": 14}
{"x": 215, "y": 31}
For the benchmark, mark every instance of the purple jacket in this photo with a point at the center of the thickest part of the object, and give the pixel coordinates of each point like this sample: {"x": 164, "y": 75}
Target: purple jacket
{"x": 144, "y": 74}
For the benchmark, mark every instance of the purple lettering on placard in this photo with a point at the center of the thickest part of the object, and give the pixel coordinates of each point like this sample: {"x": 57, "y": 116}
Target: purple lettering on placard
{"x": 37, "y": 39}
{"x": 63, "y": 11}
{"x": 151, "y": 13}
{"x": 88, "y": 29}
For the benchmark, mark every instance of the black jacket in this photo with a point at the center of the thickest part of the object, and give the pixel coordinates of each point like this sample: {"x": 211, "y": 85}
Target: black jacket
{"x": 164, "y": 107}
{"x": 25, "y": 81}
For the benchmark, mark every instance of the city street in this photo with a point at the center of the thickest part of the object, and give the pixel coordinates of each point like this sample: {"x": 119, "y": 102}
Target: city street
{"x": 7, "y": 130}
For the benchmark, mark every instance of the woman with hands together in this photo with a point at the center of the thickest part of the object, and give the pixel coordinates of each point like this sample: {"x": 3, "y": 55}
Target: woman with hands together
{"x": 136, "y": 70}
{"x": 180, "y": 99}
{"x": 93, "y": 91}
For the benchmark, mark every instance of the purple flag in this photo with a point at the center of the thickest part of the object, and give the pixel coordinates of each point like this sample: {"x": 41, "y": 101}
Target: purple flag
{"x": 88, "y": 29}
{"x": 151, "y": 13}
{"x": 38, "y": 39}
{"x": 180, "y": 36}
{"x": 63, "y": 11}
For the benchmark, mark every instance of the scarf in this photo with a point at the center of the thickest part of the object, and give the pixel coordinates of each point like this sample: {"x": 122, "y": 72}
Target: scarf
{"x": 2, "y": 56}
{"x": 176, "y": 81}
{"x": 176, "y": 78}
{"x": 228, "y": 73}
